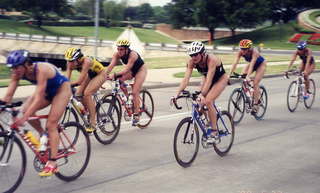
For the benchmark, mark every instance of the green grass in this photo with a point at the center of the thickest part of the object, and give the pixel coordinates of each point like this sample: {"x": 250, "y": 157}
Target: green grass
{"x": 274, "y": 37}
{"x": 313, "y": 16}
{"x": 150, "y": 36}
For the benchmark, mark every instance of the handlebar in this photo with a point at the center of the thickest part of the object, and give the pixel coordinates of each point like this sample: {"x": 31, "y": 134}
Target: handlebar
{"x": 12, "y": 105}
{"x": 185, "y": 94}
{"x": 292, "y": 71}
{"x": 236, "y": 75}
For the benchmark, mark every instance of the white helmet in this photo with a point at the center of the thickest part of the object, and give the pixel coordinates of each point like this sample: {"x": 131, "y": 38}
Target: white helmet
{"x": 195, "y": 48}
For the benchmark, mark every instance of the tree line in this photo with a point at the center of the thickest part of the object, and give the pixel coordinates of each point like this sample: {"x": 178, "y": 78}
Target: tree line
{"x": 205, "y": 13}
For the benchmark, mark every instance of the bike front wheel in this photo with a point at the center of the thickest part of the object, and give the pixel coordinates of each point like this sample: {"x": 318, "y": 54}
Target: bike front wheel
{"x": 236, "y": 105}
{"x": 186, "y": 142}
{"x": 109, "y": 120}
{"x": 13, "y": 162}
{"x": 146, "y": 109}
{"x": 293, "y": 95}
{"x": 73, "y": 152}
{"x": 226, "y": 131}
{"x": 69, "y": 115}
{"x": 262, "y": 103}
{"x": 311, "y": 95}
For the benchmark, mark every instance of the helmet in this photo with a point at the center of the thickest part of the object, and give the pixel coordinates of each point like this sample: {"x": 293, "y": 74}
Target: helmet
{"x": 72, "y": 54}
{"x": 123, "y": 43}
{"x": 195, "y": 48}
{"x": 301, "y": 45}
{"x": 245, "y": 43}
{"x": 17, "y": 57}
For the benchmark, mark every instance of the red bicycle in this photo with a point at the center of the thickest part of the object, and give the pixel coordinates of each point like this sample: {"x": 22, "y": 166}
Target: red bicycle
{"x": 73, "y": 152}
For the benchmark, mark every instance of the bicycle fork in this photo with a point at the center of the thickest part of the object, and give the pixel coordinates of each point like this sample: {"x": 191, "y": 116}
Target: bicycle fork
{"x": 7, "y": 149}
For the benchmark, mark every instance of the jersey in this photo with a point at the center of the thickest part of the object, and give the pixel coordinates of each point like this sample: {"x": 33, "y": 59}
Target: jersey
{"x": 136, "y": 65}
{"x": 259, "y": 60}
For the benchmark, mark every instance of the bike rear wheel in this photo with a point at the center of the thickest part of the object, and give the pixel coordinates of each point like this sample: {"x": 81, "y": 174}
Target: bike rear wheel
{"x": 225, "y": 127}
{"x": 186, "y": 142}
{"x": 146, "y": 109}
{"x": 13, "y": 162}
{"x": 75, "y": 151}
{"x": 117, "y": 102}
{"x": 69, "y": 115}
{"x": 293, "y": 95}
{"x": 236, "y": 105}
{"x": 109, "y": 120}
{"x": 312, "y": 89}
{"x": 262, "y": 104}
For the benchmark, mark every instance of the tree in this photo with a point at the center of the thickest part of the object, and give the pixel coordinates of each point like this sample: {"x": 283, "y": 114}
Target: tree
{"x": 244, "y": 14}
{"x": 40, "y": 9}
{"x": 161, "y": 14}
{"x": 145, "y": 12}
{"x": 182, "y": 13}
{"x": 113, "y": 11}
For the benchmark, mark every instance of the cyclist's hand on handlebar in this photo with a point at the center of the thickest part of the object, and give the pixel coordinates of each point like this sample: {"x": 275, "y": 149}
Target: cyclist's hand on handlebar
{"x": 20, "y": 121}
{"x": 173, "y": 100}
{"x": 286, "y": 74}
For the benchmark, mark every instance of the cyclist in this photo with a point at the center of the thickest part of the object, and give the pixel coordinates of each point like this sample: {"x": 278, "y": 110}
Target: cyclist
{"x": 213, "y": 82}
{"x": 256, "y": 63}
{"x": 307, "y": 64}
{"x": 92, "y": 76}
{"x": 134, "y": 68}
{"x": 51, "y": 88}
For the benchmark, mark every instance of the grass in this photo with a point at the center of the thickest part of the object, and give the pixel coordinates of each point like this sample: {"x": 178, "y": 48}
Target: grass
{"x": 150, "y": 36}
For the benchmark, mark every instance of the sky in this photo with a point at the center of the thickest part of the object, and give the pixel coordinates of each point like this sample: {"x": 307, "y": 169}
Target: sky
{"x": 151, "y": 2}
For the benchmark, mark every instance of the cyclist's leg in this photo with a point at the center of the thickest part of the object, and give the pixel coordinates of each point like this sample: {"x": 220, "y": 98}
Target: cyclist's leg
{"x": 212, "y": 95}
{"x": 58, "y": 106}
{"x": 35, "y": 123}
{"x": 92, "y": 87}
{"x": 137, "y": 85}
{"x": 306, "y": 73}
{"x": 258, "y": 77}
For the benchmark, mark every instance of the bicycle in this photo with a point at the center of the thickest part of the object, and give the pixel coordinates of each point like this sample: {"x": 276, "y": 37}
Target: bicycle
{"x": 108, "y": 123}
{"x": 187, "y": 132}
{"x": 241, "y": 100}
{"x": 121, "y": 97}
{"x": 73, "y": 152}
{"x": 296, "y": 91}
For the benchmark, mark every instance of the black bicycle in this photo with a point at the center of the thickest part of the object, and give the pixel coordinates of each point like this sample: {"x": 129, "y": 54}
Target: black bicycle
{"x": 241, "y": 100}
{"x": 186, "y": 137}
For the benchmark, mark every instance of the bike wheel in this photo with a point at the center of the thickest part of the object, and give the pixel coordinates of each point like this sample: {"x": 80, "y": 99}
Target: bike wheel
{"x": 108, "y": 120}
{"x": 117, "y": 102}
{"x": 226, "y": 133}
{"x": 69, "y": 115}
{"x": 312, "y": 89}
{"x": 186, "y": 142}
{"x": 262, "y": 104}
{"x": 236, "y": 105}
{"x": 146, "y": 109}
{"x": 293, "y": 95}
{"x": 13, "y": 162}
{"x": 74, "y": 154}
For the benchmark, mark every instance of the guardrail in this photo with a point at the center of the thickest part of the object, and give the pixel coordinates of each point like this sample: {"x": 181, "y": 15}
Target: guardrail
{"x": 103, "y": 43}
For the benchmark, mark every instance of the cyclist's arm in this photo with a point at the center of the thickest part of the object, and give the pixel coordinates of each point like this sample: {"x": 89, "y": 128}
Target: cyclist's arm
{"x": 42, "y": 77}
{"x": 132, "y": 58}
{"x": 255, "y": 56}
{"x": 235, "y": 63}
{"x": 114, "y": 61}
{"x": 212, "y": 64}
{"x": 294, "y": 57}
{"x": 14, "y": 82}
{"x": 84, "y": 71}
{"x": 186, "y": 78}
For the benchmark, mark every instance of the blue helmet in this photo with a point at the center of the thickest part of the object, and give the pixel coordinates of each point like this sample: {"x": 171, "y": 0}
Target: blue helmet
{"x": 301, "y": 45}
{"x": 17, "y": 57}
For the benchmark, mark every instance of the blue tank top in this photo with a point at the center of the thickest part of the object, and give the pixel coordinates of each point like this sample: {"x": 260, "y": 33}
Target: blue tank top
{"x": 259, "y": 61}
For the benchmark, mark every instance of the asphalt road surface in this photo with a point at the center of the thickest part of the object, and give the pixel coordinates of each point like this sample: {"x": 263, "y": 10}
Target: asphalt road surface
{"x": 279, "y": 154}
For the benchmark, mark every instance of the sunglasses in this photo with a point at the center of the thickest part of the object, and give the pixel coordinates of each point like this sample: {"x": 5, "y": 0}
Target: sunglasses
{"x": 300, "y": 48}
{"x": 193, "y": 55}
{"x": 244, "y": 48}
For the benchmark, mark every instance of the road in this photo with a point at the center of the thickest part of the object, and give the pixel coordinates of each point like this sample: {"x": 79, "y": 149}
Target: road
{"x": 279, "y": 154}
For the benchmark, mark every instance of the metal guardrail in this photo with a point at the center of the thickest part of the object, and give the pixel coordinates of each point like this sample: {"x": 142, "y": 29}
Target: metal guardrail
{"x": 102, "y": 43}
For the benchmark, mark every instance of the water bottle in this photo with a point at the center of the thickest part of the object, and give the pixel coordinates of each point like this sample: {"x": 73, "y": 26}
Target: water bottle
{"x": 31, "y": 138}
{"x": 43, "y": 142}
{"x": 129, "y": 102}
{"x": 80, "y": 107}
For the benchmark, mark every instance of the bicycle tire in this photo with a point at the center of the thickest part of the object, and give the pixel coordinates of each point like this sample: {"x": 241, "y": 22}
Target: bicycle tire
{"x": 71, "y": 167}
{"x": 116, "y": 101}
{"x": 293, "y": 93}
{"x": 236, "y": 101}
{"x": 312, "y": 88}
{"x": 10, "y": 184}
{"x": 107, "y": 117}
{"x": 263, "y": 104}
{"x": 225, "y": 127}
{"x": 146, "y": 109}
{"x": 69, "y": 115}
{"x": 192, "y": 131}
